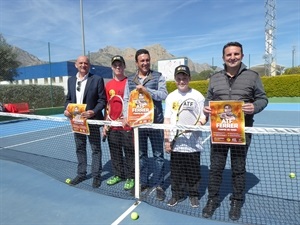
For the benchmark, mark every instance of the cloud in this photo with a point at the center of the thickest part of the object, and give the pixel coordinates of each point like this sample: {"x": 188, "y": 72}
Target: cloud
{"x": 194, "y": 28}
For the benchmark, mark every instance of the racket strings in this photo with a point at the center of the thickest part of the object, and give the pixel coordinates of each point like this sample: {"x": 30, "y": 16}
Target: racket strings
{"x": 188, "y": 114}
{"x": 187, "y": 117}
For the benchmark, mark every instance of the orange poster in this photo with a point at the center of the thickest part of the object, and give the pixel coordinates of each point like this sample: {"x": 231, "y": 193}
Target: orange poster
{"x": 140, "y": 108}
{"x": 78, "y": 123}
{"x": 227, "y": 122}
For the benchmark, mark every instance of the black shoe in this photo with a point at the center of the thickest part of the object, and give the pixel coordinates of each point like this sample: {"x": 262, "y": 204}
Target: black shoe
{"x": 144, "y": 187}
{"x": 77, "y": 180}
{"x": 96, "y": 183}
{"x": 194, "y": 202}
{"x": 235, "y": 210}
{"x": 174, "y": 201}
{"x": 210, "y": 208}
{"x": 160, "y": 194}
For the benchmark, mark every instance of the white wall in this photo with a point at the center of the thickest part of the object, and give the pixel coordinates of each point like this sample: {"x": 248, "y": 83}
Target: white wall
{"x": 167, "y": 67}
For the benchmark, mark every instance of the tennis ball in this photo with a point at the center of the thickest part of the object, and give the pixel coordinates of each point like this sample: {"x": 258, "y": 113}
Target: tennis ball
{"x": 68, "y": 180}
{"x": 292, "y": 175}
{"x": 134, "y": 215}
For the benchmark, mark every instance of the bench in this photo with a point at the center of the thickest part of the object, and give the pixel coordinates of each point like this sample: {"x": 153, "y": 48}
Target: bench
{"x": 22, "y": 107}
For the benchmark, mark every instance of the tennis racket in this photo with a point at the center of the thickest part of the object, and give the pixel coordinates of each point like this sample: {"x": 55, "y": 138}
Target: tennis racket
{"x": 188, "y": 113}
{"x": 114, "y": 110}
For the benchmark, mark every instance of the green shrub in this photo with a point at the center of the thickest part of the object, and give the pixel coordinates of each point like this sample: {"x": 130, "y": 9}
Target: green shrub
{"x": 38, "y": 96}
{"x": 282, "y": 86}
{"x": 277, "y": 86}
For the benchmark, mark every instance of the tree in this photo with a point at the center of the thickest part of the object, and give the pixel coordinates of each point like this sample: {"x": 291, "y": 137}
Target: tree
{"x": 292, "y": 70}
{"x": 8, "y": 61}
{"x": 204, "y": 75}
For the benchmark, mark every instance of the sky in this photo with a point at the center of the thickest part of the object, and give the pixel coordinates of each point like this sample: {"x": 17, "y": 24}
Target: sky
{"x": 197, "y": 29}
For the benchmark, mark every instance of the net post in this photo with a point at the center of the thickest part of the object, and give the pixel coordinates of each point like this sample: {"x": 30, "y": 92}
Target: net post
{"x": 136, "y": 163}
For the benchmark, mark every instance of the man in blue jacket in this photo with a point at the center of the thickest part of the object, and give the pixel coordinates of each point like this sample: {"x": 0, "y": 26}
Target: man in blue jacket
{"x": 235, "y": 82}
{"x": 86, "y": 88}
{"x": 147, "y": 80}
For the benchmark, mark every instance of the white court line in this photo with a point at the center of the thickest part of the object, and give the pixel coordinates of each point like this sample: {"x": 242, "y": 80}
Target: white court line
{"x": 42, "y": 139}
{"x": 126, "y": 213}
{"x": 33, "y": 131}
{"x": 206, "y": 139}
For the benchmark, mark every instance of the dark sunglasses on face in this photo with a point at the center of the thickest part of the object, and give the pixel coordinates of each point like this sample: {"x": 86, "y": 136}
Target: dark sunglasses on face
{"x": 78, "y": 85}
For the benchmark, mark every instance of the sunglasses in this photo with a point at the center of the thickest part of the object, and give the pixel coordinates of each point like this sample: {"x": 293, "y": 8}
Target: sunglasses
{"x": 78, "y": 86}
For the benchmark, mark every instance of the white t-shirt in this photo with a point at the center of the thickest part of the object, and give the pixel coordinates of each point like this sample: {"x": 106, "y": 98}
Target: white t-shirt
{"x": 190, "y": 141}
{"x": 81, "y": 84}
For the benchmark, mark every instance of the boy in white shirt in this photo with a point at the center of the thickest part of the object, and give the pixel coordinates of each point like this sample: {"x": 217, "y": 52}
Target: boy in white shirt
{"x": 185, "y": 153}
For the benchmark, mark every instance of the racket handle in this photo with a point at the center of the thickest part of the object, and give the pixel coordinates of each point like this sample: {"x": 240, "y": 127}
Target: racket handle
{"x": 107, "y": 133}
{"x": 172, "y": 144}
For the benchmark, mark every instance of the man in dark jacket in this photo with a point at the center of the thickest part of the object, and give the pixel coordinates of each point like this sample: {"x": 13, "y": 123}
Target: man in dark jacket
{"x": 235, "y": 82}
{"x": 86, "y": 88}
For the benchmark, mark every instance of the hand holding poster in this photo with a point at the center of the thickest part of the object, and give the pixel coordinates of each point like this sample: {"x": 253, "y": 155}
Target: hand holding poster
{"x": 140, "y": 108}
{"x": 227, "y": 122}
{"x": 79, "y": 124}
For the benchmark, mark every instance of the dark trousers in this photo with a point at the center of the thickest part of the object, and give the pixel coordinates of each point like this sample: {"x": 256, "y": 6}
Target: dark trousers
{"x": 218, "y": 156}
{"x": 121, "y": 147}
{"x": 157, "y": 145}
{"x": 80, "y": 142}
{"x": 185, "y": 174}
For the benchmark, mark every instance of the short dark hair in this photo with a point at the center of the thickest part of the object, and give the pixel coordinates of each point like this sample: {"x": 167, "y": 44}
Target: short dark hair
{"x": 237, "y": 44}
{"x": 141, "y": 51}
{"x": 227, "y": 106}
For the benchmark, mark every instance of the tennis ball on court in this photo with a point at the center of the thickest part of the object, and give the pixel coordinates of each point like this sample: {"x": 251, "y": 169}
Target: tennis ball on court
{"x": 68, "y": 180}
{"x": 134, "y": 215}
{"x": 292, "y": 175}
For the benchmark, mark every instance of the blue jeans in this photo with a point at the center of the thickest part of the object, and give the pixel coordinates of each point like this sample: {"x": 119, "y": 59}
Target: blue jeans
{"x": 157, "y": 144}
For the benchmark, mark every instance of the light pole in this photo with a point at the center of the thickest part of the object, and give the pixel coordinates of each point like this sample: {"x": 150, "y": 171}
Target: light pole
{"x": 82, "y": 28}
{"x": 50, "y": 74}
{"x": 293, "y": 56}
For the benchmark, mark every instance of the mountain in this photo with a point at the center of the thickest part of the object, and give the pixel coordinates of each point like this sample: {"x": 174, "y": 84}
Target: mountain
{"x": 157, "y": 52}
{"x": 103, "y": 57}
{"x": 25, "y": 58}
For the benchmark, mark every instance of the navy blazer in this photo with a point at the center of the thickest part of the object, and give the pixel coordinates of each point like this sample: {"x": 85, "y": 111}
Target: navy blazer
{"x": 94, "y": 94}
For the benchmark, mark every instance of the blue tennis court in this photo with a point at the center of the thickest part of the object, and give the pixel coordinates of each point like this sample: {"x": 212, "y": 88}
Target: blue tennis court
{"x": 32, "y": 188}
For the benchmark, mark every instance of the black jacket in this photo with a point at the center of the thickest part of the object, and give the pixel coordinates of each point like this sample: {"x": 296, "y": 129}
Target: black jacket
{"x": 245, "y": 86}
{"x": 94, "y": 94}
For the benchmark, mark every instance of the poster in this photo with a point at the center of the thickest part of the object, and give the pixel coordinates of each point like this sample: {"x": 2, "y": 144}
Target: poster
{"x": 227, "y": 122}
{"x": 78, "y": 123}
{"x": 140, "y": 108}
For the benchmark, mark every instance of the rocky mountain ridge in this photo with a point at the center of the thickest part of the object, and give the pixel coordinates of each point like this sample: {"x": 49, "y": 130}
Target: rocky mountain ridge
{"x": 25, "y": 58}
{"x": 157, "y": 52}
{"x": 103, "y": 57}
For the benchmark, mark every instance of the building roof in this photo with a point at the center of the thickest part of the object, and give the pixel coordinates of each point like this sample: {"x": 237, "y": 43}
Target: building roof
{"x": 58, "y": 69}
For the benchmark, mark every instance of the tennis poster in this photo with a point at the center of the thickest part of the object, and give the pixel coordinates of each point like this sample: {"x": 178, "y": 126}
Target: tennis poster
{"x": 140, "y": 108}
{"x": 78, "y": 123}
{"x": 227, "y": 122}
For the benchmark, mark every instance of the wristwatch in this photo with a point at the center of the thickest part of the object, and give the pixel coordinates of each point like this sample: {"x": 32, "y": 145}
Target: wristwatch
{"x": 167, "y": 140}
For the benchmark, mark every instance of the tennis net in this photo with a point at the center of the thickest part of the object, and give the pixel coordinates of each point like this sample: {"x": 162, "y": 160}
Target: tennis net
{"x": 46, "y": 143}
